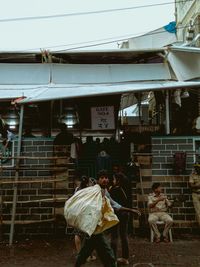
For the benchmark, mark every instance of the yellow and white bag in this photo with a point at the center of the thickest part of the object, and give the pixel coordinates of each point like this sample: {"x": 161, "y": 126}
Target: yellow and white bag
{"x": 83, "y": 209}
{"x": 108, "y": 218}
{"x": 89, "y": 212}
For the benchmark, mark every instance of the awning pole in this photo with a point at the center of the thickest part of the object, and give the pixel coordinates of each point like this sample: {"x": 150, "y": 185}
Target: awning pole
{"x": 167, "y": 121}
{"x": 16, "y": 176}
{"x": 51, "y": 118}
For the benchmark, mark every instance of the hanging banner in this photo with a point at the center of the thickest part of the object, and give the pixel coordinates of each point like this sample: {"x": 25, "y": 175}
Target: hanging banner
{"x": 102, "y": 118}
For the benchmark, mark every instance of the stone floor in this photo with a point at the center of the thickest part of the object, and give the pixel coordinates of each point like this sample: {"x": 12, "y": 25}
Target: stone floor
{"x": 184, "y": 252}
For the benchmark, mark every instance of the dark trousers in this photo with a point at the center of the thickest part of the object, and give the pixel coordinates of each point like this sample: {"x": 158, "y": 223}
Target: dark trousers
{"x": 121, "y": 229}
{"x": 102, "y": 247}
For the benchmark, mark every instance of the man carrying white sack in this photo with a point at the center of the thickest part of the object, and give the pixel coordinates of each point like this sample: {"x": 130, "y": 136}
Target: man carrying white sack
{"x": 97, "y": 241}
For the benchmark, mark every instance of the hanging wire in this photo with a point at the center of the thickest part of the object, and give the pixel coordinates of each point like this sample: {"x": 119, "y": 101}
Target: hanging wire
{"x": 82, "y": 44}
{"x": 89, "y": 12}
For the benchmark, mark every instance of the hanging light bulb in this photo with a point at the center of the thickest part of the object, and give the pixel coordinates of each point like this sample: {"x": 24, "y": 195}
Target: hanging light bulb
{"x": 11, "y": 118}
{"x": 69, "y": 117}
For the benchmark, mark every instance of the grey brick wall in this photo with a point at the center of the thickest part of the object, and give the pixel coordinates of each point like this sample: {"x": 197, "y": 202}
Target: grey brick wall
{"x": 158, "y": 168}
{"x": 163, "y": 150}
{"x": 176, "y": 186}
{"x": 31, "y": 212}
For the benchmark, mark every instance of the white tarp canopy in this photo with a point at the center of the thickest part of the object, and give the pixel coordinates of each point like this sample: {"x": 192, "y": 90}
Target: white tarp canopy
{"x": 153, "y": 39}
{"x": 185, "y": 62}
{"x": 43, "y": 74}
{"x": 44, "y": 82}
{"x": 53, "y": 92}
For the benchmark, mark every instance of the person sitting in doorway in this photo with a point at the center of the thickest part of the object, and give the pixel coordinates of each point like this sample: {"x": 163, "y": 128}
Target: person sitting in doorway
{"x": 7, "y": 137}
{"x": 158, "y": 204}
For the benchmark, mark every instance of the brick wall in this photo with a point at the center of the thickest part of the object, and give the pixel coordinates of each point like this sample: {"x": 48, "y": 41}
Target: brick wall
{"x": 40, "y": 171}
{"x": 176, "y": 186}
{"x": 159, "y": 167}
{"x": 29, "y": 215}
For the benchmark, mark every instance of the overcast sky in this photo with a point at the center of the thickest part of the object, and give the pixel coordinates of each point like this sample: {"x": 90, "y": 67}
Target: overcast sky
{"x": 21, "y": 29}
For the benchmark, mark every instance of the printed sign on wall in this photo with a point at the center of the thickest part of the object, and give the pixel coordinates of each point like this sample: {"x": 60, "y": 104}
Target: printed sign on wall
{"x": 103, "y": 118}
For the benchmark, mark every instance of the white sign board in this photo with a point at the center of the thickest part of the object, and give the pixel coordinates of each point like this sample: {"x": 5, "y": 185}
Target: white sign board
{"x": 102, "y": 118}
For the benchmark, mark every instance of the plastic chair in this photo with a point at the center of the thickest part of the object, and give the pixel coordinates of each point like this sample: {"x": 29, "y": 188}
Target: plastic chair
{"x": 161, "y": 223}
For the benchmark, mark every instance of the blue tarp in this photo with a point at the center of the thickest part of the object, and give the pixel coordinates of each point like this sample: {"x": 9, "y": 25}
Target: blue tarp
{"x": 171, "y": 27}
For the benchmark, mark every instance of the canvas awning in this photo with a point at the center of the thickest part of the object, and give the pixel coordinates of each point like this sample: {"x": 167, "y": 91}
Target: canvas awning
{"x": 34, "y": 82}
{"x": 158, "y": 38}
{"x": 55, "y": 92}
{"x": 185, "y": 62}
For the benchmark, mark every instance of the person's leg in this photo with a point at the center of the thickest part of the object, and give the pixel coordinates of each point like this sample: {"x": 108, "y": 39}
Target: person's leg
{"x": 196, "y": 203}
{"x": 153, "y": 218}
{"x": 168, "y": 224}
{"x": 114, "y": 238}
{"x": 130, "y": 225}
{"x": 104, "y": 251}
{"x": 123, "y": 229}
{"x": 77, "y": 240}
{"x": 86, "y": 250}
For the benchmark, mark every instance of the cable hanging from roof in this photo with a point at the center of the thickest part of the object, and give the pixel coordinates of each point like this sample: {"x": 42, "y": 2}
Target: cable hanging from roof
{"x": 89, "y": 12}
{"x": 122, "y": 38}
{"x": 100, "y": 42}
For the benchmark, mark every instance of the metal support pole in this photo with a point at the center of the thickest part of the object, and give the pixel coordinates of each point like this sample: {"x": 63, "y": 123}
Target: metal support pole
{"x": 142, "y": 191}
{"x": 167, "y": 121}
{"x": 51, "y": 118}
{"x": 16, "y": 176}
